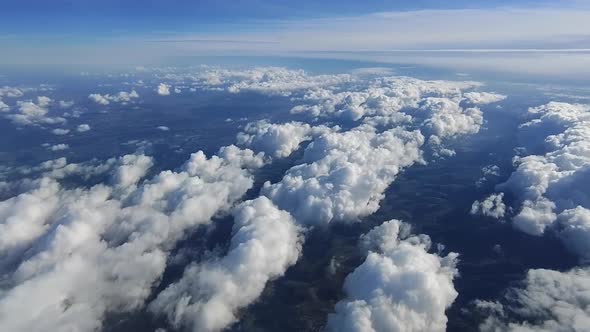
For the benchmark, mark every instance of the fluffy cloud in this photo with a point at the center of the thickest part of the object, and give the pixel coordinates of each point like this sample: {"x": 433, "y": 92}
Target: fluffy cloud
{"x": 59, "y": 147}
{"x": 482, "y": 98}
{"x": 99, "y": 99}
{"x": 163, "y": 128}
{"x": 11, "y": 92}
{"x": 83, "y": 128}
{"x": 278, "y": 140}
{"x": 399, "y": 286}
{"x": 549, "y": 301}
{"x": 102, "y": 249}
{"x": 344, "y": 175}
{"x": 3, "y": 106}
{"x": 270, "y": 80}
{"x": 551, "y": 191}
{"x": 434, "y": 106}
{"x": 264, "y": 244}
{"x": 60, "y": 131}
{"x": 492, "y": 206}
{"x": 120, "y": 232}
{"x": 66, "y": 104}
{"x": 574, "y": 231}
{"x": 31, "y": 113}
{"x": 163, "y": 89}
{"x": 120, "y": 97}
{"x": 550, "y": 183}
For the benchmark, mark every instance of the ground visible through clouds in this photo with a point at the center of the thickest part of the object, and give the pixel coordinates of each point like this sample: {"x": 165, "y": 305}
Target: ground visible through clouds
{"x": 435, "y": 197}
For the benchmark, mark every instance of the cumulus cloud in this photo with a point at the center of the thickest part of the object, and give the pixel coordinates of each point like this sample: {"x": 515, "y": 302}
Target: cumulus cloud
{"x": 492, "y": 206}
{"x": 120, "y": 97}
{"x": 163, "y": 128}
{"x": 487, "y": 173}
{"x": 555, "y": 181}
{"x": 278, "y": 140}
{"x": 344, "y": 175}
{"x": 385, "y": 102}
{"x": 483, "y": 98}
{"x": 34, "y": 113}
{"x": 399, "y": 287}
{"x": 548, "y": 301}
{"x": 66, "y": 104}
{"x": 163, "y": 89}
{"x": 3, "y": 106}
{"x": 83, "y": 128}
{"x": 121, "y": 231}
{"x": 265, "y": 242}
{"x": 99, "y": 99}
{"x": 59, "y": 147}
{"x": 60, "y": 131}
{"x": 269, "y": 80}
{"x": 11, "y": 92}
{"x": 99, "y": 249}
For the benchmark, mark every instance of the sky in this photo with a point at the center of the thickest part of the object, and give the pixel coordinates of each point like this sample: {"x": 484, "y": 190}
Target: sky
{"x": 146, "y": 32}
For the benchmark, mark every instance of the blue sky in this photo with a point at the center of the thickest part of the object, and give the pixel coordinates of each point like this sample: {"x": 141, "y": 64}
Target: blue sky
{"x": 149, "y": 31}
{"x": 136, "y": 17}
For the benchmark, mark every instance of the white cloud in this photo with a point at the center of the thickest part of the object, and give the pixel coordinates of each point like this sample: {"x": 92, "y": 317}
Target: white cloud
{"x": 120, "y": 97}
{"x": 60, "y": 131}
{"x": 66, "y": 104}
{"x": 59, "y": 147}
{"x": 102, "y": 249}
{"x": 574, "y": 231}
{"x": 399, "y": 286}
{"x": 552, "y": 182}
{"x": 549, "y": 301}
{"x": 163, "y": 89}
{"x": 99, "y": 99}
{"x": 163, "y": 128}
{"x": 344, "y": 175}
{"x": 3, "y": 106}
{"x": 31, "y": 113}
{"x": 83, "y": 128}
{"x": 264, "y": 244}
{"x": 278, "y": 140}
{"x": 492, "y": 206}
{"x": 483, "y": 98}
{"x": 11, "y": 92}
{"x": 120, "y": 232}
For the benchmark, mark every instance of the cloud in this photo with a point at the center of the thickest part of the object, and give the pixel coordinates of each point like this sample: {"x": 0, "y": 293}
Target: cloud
{"x": 574, "y": 230}
{"x": 488, "y": 172}
{"x": 83, "y": 128}
{"x": 548, "y": 301}
{"x": 59, "y": 147}
{"x": 554, "y": 181}
{"x": 60, "y": 131}
{"x": 121, "y": 231}
{"x": 344, "y": 175}
{"x": 99, "y": 99}
{"x": 3, "y": 106}
{"x": 66, "y": 104}
{"x": 102, "y": 249}
{"x": 163, "y": 89}
{"x": 278, "y": 140}
{"x": 11, "y": 92}
{"x": 265, "y": 242}
{"x": 122, "y": 97}
{"x": 163, "y": 128}
{"x": 492, "y": 206}
{"x": 483, "y": 98}
{"x": 399, "y": 286}
{"x": 31, "y": 113}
